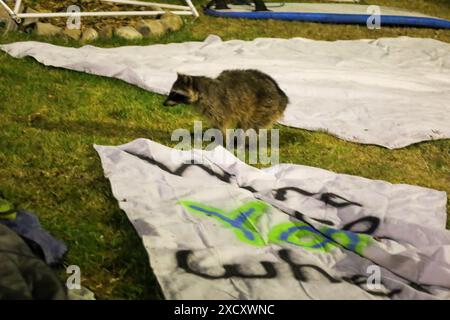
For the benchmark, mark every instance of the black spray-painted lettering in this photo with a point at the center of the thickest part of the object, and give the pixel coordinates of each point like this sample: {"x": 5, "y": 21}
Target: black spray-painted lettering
{"x": 297, "y": 269}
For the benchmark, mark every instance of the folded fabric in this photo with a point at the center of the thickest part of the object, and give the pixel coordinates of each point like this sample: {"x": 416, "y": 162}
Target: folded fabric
{"x": 45, "y": 245}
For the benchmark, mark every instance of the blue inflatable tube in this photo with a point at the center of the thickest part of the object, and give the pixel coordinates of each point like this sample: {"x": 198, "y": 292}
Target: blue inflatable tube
{"x": 386, "y": 20}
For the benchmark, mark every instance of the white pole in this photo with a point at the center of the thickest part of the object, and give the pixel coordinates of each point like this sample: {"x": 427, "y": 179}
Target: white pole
{"x": 98, "y": 14}
{"x": 7, "y": 8}
{"x": 194, "y": 11}
{"x": 17, "y": 6}
{"x": 148, "y": 4}
{"x": 190, "y": 10}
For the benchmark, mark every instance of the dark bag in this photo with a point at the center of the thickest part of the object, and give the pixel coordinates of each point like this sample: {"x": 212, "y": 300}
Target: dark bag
{"x": 22, "y": 274}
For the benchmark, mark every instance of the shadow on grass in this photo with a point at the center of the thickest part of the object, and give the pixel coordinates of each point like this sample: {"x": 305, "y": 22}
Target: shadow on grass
{"x": 95, "y": 128}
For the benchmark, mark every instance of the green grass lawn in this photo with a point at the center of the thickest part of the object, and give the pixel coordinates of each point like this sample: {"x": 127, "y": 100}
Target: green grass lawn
{"x": 49, "y": 119}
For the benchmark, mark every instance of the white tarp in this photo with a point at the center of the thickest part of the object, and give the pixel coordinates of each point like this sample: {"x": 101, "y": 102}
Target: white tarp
{"x": 221, "y": 229}
{"x": 391, "y": 91}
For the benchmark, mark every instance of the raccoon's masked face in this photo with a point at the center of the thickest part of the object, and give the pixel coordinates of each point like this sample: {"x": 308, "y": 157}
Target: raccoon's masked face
{"x": 182, "y": 91}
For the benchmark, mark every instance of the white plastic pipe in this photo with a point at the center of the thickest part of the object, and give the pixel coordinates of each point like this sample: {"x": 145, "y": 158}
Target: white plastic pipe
{"x": 187, "y": 10}
{"x": 191, "y": 5}
{"x": 8, "y": 9}
{"x": 98, "y": 14}
{"x": 17, "y": 6}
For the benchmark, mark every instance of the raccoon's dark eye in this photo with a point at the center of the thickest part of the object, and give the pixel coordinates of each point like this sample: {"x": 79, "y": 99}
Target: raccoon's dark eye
{"x": 178, "y": 97}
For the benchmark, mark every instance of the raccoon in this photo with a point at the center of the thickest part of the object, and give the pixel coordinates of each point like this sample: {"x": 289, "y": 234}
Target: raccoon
{"x": 245, "y": 99}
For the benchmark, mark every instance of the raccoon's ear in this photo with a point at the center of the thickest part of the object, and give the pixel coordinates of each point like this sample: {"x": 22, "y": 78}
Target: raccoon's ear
{"x": 181, "y": 76}
{"x": 186, "y": 79}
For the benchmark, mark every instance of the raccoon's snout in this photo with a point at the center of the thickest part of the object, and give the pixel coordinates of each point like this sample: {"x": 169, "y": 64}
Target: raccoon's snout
{"x": 175, "y": 98}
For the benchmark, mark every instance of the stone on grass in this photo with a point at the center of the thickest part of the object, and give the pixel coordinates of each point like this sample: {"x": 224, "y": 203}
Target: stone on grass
{"x": 106, "y": 32}
{"x": 75, "y": 34}
{"x": 172, "y": 21}
{"x": 89, "y": 34}
{"x": 154, "y": 8}
{"x": 151, "y": 8}
{"x": 128, "y": 33}
{"x": 47, "y": 29}
{"x": 29, "y": 21}
{"x": 151, "y": 28}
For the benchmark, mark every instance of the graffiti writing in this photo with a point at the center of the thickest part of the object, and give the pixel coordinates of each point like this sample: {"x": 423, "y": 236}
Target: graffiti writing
{"x": 270, "y": 272}
{"x": 327, "y": 197}
{"x": 243, "y": 221}
{"x": 231, "y": 270}
{"x": 223, "y": 176}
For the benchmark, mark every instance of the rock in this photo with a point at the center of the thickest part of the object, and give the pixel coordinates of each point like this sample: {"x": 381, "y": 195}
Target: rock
{"x": 89, "y": 34}
{"x": 46, "y": 29}
{"x": 151, "y": 28}
{"x": 75, "y": 34}
{"x": 106, "y": 32}
{"x": 116, "y": 8}
{"x": 29, "y": 21}
{"x": 171, "y": 21}
{"x": 154, "y": 8}
{"x": 151, "y": 8}
{"x": 128, "y": 33}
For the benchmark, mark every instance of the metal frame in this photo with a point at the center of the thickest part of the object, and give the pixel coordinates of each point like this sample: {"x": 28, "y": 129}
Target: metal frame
{"x": 187, "y": 10}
